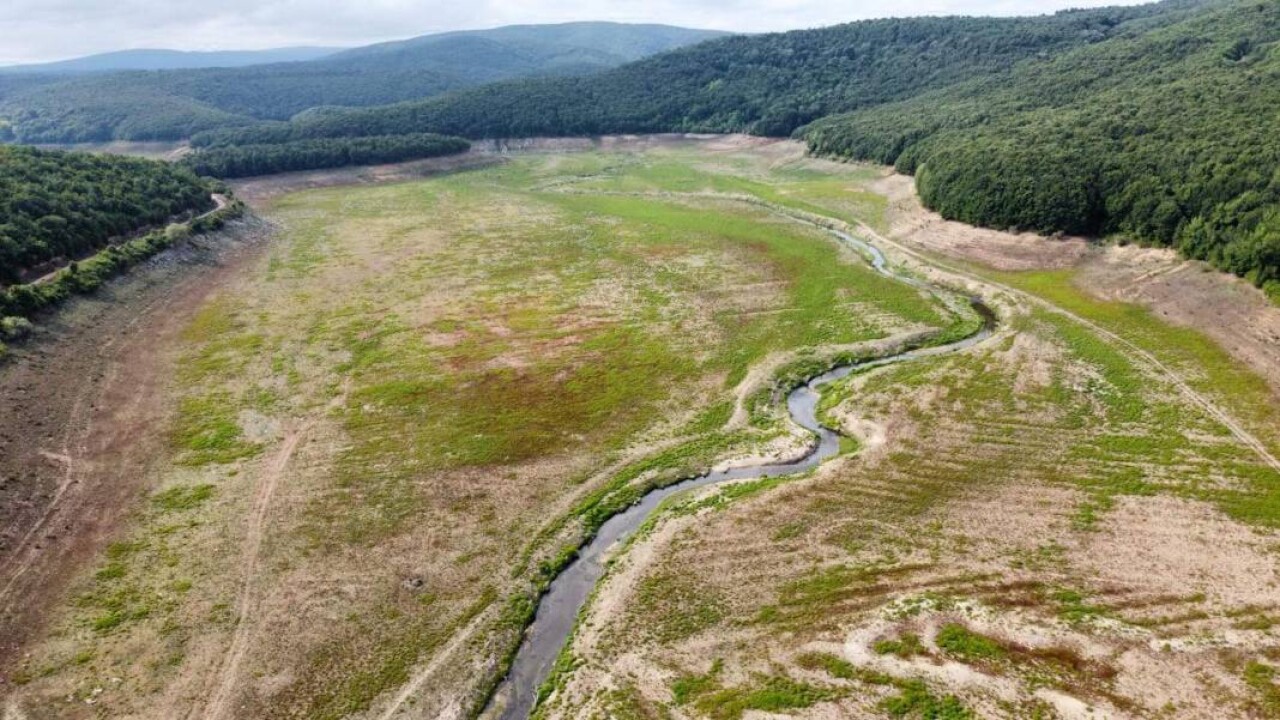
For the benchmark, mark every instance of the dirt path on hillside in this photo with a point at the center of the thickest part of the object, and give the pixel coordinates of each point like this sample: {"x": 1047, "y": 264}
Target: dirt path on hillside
{"x": 1140, "y": 356}
{"x": 1183, "y": 292}
{"x": 80, "y": 407}
{"x": 247, "y": 599}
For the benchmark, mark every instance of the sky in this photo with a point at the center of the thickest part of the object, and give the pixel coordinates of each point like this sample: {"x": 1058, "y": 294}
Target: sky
{"x": 44, "y": 30}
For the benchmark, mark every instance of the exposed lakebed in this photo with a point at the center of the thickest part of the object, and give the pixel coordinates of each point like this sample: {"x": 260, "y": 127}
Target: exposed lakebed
{"x": 560, "y": 606}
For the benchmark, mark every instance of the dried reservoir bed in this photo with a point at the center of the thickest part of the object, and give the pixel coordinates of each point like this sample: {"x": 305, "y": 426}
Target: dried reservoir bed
{"x": 385, "y": 433}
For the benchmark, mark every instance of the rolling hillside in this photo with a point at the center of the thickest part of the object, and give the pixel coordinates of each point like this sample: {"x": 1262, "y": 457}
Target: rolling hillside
{"x": 763, "y": 84}
{"x": 1169, "y": 137}
{"x": 169, "y": 60}
{"x": 175, "y": 104}
{"x": 1156, "y": 123}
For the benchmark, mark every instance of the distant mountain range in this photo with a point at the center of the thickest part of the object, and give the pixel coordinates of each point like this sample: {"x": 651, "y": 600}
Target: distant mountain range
{"x": 170, "y": 60}
{"x": 68, "y": 102}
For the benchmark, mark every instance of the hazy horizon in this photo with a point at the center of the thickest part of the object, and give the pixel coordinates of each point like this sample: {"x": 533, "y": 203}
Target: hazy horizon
{"x": 37, "y": 31}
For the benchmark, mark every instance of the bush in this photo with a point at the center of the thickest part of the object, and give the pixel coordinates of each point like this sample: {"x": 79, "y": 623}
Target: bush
{"x": 14, "y": 328}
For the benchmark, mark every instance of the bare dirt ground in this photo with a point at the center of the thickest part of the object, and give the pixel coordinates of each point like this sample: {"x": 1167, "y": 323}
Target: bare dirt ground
{"x": 78, "y": 403}
{"x": 154, "y": 150}
{"x": 1184, "y": 292}
{"x": 483, "y": 153}
{"x": 258, "y": 580}
{"x": 969, "y": 512}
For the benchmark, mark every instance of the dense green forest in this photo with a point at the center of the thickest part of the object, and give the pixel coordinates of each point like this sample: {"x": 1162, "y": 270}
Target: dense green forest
{"x": 174, "y": 104}
{"x": 764, "y": 84}
{"x": 247, "y": 160}
{"x": 57, "y": 204}
{"x": 1155, "y": 123}
{"x": 1170, "y": 137}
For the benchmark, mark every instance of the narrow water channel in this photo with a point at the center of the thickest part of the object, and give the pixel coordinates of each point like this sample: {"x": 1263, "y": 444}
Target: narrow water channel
{"x": 559, "y": 608}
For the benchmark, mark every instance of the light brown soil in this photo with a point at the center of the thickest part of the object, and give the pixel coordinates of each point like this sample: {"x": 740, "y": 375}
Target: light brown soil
{"x": 483, "y": 153}
{"x": 155, "y": 150}
{"x": 1177, "y": 587}
{"x": 246, "y": 601}
{"x": 1191, "y": 294}
{"x": 79, "y": 401}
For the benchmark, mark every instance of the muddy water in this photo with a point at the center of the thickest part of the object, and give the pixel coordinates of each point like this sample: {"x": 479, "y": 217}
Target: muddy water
{"x": 559, "y": 608}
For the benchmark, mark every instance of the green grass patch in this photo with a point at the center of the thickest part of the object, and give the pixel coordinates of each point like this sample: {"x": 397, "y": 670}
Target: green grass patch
{"x": 904, "y": 646}
{"x": 207, "y": 431}
{"x": 834, "y": 665}
{"x": 915, "y": 700}
{"x": 177, "y": 499}
{"x": 1261, "y": 679}
{"x": 767, "y": 693}
{"x": 966, "y": 645}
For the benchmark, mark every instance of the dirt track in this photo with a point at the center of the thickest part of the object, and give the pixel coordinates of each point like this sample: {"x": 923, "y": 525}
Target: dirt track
{"x": 76, "y": 409}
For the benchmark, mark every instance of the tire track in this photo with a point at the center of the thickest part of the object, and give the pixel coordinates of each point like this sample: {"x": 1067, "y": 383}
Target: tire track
{"x": 1241, "y": 434}
{"x": 419, "y": 678}
{"x": 74, "y": 443}
{"x": 247, "y": 599}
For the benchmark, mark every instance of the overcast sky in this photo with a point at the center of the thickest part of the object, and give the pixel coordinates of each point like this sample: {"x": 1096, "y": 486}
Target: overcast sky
{"x": 42, "y": 30}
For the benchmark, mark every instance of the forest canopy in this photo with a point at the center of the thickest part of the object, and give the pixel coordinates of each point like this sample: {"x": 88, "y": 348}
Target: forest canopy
{"x": 763, "y": 84}
{"x": 1154, "y": 123}
{"x": 1170, "y": 137}
{"x": 248, "y": 160}
{"x": 65, "y": 205}
{"x": 175, "y": 104}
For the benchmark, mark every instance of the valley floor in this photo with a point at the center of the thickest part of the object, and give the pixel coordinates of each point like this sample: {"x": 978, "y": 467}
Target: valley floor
{"x": 329, "y": 478}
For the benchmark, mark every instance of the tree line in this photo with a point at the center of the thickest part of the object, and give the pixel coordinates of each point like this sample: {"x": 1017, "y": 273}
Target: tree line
{"x": 65, "y": 205}
{"x": 1155, "y": 123}
{"x": 234, "y": 161}
{"x": 175, "y": 104}
{"x": 29, "y": 299}
{"x": 1170, "y": 137}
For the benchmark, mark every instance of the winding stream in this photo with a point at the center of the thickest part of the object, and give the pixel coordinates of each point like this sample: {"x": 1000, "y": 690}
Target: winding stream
{"x": 559, "y": 608}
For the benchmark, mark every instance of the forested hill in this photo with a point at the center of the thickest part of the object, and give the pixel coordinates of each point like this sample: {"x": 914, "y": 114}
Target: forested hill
{"x": 1170, "y": 137}
{"x": 168, "y": 60}
{"x": 1158, "y": 123}
{"x": 766, "y": 84}
{"x": 167, "y": 105}
{"x": 56, "y": 204}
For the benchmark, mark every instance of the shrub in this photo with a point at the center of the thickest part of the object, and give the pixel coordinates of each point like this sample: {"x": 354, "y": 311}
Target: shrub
{"x": 14, "y": 328}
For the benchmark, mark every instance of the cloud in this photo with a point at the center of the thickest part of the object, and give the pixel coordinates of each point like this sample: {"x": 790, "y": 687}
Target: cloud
{"x": 42, "y": 30}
